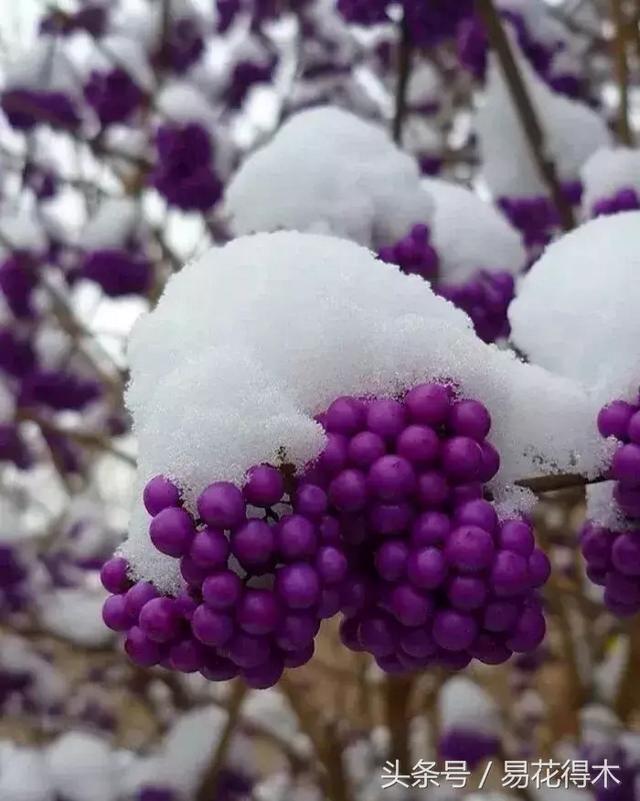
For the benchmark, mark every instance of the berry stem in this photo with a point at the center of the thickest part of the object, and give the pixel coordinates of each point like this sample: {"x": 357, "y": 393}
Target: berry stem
{"x": 397, "y": 696}
{"x": 524, "y": 107}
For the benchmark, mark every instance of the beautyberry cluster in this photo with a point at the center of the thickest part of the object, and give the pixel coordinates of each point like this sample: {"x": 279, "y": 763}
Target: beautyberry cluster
{"x": 184, "y": 173}
{"x": 388, "y": 526}
{"x": 435, "y": 576}
{"x": 257, "y": 584}
{"x": 485, "y": 297}
{"x": 625, "y": 199}
{"x": 613, "y": 557}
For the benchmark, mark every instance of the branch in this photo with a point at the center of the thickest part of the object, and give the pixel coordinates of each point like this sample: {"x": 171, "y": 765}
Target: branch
{"x": 525, "y": 110}
{"x": 405, "y": 53}
{"x": 208, "y": 784}
{"x": 561, "y": 481}
{"x": 621, "y": 65}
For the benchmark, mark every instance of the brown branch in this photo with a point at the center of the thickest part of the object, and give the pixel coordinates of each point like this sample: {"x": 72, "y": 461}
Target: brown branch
{"x": 208, "y": 783}
{"x": 397, "y": 695}
{"x": 525, "y": 110}
{"x": 405, "y": 54}
{"x": 627, "y": 699}
{"x": 561, "y": 481}
{"x": 621, "y": 66}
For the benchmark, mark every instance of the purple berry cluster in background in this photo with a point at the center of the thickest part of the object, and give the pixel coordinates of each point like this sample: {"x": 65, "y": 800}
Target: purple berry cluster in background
{"x": 388, "y": 527}
{"x": 613, "y": 556}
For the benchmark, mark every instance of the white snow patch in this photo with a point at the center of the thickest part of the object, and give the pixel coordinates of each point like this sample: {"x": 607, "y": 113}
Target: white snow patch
{"x": 463, "y": 704}
{"x": 470, "y": 234}
{"x": 607, "y": 171}
{"x": 572, "y": 132}
{"x": 576, "y": 312}
{"x": 328, "y": 171}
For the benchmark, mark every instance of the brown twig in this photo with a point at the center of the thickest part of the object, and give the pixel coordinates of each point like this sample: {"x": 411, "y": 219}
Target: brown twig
{"x": 560, "y": 481}
{"x": 621, "y": 65}
{"x": 405, "y": 53}
{"x": 525, "y": 110}
{"x": 209, "y": 781}
{"x": 627, "y": 699}
{"x": 397, "y": 696}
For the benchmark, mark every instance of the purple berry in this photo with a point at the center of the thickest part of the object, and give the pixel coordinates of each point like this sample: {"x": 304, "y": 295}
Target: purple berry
{"x": 264, "y": 487}
{"x": 365, "y": 448}
{"x": 297, "y": 585}
{"x": 345, "y": 416}
{"x": 614, "y": 419}
{"x": 391, "y": 560}
{"x": 258, "y": 612}
{"x": 468, "y": 418}
{"x": 516, "y": 536}
{"x": 159, "y": 494}
{"x": 114, "y": 576}
{"x": 210, "y": 548}
{"x": 222, "y": 590}
{"x": 470, "y": 549}
{"x": 159, "y": 619}
{"x": 461, "y": 458}
{"x": 254, "y": 545}
{"x": 211, "y": 627}
{"x": 331, "y": 564}
{"x": 419, "y": 444}
{"x": 296, "y": 538}
{"x": 429, "y": 404}
{"x": 426, "y": 568}
{"x": 115, "y": 614}
{"x": 348, "y": 491}
{"x": 454, "y": 631}
{"x": 386, "y": 418}
{"x": 221, "y": 505}
{"x": 172, "y": 531}
{"x": 391, "y": 478}
{"x": 626, "y": 465}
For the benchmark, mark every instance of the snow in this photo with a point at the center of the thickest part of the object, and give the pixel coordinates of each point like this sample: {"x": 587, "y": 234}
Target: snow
{"x": 83, "y": 767}
{"x": 425, "y": 85}
{"x": 181, "y": 102}
{"x": 607, "y": 171}
{"x": 576, "y": 312}
{"x": 470, "y": 234}
{"x": 42, "y": 67}
{"x": 113, "y": 223}
{"x": 76, "y": 615}
{"x": 125, "y": 53}
{"x": 328, "y": 171}
{"x": 602, "y": 508}
{"x": 20, "y": 230}
{"x": 572, "y": 132}
{"x": 463, "y": 704}
{"x": 249, "y": 342}
{"x": 23, "y": 774}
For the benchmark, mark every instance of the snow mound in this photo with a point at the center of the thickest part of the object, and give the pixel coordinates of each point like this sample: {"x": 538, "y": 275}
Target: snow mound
{"x": 328, "y": 171}
{"x": 83, "y": 767}
{"x": 576, "y": 312}
{"x": 607, "y": 171}
{"x": 251, "y": 341}
{"x": 464, "y": 704}
{"x": 470, "y": 234}
{"x": 572, "y": 132}
{"x": 115, "y": 221}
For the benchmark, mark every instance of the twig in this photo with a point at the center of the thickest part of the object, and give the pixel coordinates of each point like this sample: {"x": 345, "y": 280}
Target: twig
{"x": 627, "y": 699}
{"x": 405, "y": 52}
{"x": 208, "y": 784}
{"x": 621, "y": 65}
{"x": 542, "y": 484}
{"x": 527, "y": 115}
{"x": 397, "y": 695}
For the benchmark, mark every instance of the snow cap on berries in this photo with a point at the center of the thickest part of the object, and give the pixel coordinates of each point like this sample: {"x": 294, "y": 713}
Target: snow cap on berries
{"x": 572, "y": 132}
{"x": 328, "y": 171}
{"x": 576, "y": 312}
{"x": 280, "y": 326}
{"x": 611, "y": 180}
{"x": 470, "y": 234}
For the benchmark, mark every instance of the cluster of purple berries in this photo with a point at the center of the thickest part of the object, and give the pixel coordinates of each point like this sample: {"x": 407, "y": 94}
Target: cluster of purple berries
{"x": 625, "y": 199}
{"x": 117, "y": 271}
{"x": 256, "y": 587}
{"x": 388, "y": 526}
{"x": 27, "y": 108}
{"x": 183, "y": 173}
{"x": 536, "y": 217}
{"x": 613, "y": 557}
{"x": 485, "y": 297}
{"x": 472, "y": 46}
{"x": 113, "y": 95}
{"x": 414, "y": 253}
{"x": 428, "y": 21}
{"x": 435, "y": 577}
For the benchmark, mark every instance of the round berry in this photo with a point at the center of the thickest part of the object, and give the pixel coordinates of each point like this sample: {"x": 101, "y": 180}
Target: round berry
{"x": 391, "y": 560}
{"x": 264, "y": 487}
{"x": 210, "y": 548}
{"x": 222, "y": 590}
{"x": 516, "y": 536}
{"x": 345, "y": 416}
{"x": 419, "y": 444}
{"x": 461, "y": 458}
{"x": 211, "y": 627}
{"x": 468, "y": 418}
{"x": 429, "y": 404}
{"x": 365, "y": 448}
{"x": 391, "y": 478}
{"x": 221, "y": 505}
{"x": 297, "y": 585}
{"x": 159, "y": 619}
{"x": 386, "y": 418}
{"x": 114, "y": 576}
{"x": 470, "y": 549}
{"x": 348, "y": 491}
{"x": 454, "y": 631}
{"x": 172, "y": 531}
{"x": 296, "y": 538}
{"x": 258, "y": 611}
{"x": 159, "y": 494}
{"x": 311, "y": 501}
{"x": 426, "y": 568}
{"x": 614, "y": 419}
{"x": 254, "y": 545}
